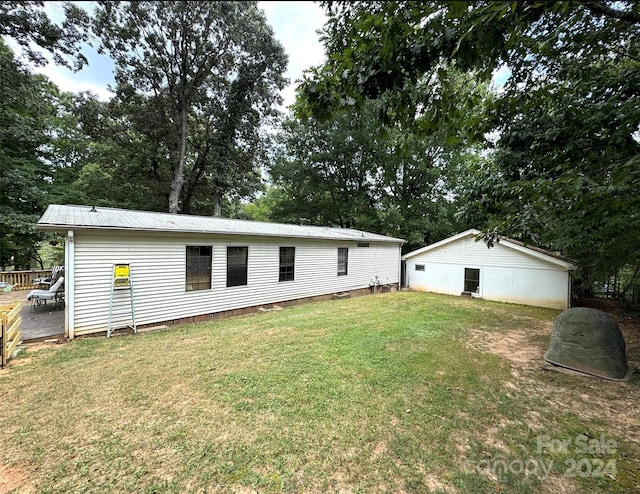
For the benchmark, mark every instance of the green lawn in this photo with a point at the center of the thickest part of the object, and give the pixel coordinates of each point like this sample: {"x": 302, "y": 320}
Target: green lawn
{"x": 380, "y": 393}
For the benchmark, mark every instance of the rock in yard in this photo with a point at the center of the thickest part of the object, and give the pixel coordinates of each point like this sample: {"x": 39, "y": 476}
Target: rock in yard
{"x": 588, "y": 340}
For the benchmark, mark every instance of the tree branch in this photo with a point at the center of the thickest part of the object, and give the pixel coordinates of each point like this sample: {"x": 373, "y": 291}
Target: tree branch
{"x": 602, "y": 8}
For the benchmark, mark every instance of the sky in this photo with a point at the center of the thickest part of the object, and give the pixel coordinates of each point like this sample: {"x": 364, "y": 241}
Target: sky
{"x": 295, "y": 25}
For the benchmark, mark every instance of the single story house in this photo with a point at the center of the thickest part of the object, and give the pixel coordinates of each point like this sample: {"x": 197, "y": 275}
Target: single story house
{"x": 507, "y": 272}
{"x": 187, "y": 268}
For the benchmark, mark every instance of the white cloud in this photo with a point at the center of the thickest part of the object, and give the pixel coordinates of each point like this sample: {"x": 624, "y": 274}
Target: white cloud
{"x": 73, "y": 83}
{"x": 95, "y": 78}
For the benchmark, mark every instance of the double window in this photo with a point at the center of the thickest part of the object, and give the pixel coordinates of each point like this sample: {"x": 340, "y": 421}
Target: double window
{"x": 287, "y": 263}
{"x": 237, "y": 262}
{"x": 198, "y": 272}
{"x": 343, "y": 261}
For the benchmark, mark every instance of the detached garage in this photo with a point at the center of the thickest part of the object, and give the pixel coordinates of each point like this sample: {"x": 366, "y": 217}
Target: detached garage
{"x": 507, "y": 272}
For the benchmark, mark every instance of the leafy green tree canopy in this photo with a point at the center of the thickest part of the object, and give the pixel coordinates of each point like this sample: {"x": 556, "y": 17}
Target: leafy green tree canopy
{"x": 30, "y": 107}
{"x": 377, "y": 48}
{"x": 28, "y": 24}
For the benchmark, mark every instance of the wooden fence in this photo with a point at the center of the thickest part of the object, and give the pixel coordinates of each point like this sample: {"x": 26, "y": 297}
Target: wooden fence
{"x": 23, "y": 280}
{"x": 10, "y": 334}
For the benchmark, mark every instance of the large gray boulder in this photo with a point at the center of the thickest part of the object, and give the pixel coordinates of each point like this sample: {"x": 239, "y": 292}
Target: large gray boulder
{"x": 590, "y": 341}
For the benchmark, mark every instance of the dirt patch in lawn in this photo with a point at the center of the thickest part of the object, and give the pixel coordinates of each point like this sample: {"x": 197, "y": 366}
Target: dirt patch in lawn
{"x": 12, "y": 478}
{"x": 586, "y": 396}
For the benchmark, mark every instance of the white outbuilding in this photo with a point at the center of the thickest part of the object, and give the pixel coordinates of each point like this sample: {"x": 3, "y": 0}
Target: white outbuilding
{"x": 509, "y": 271}
{"x": 178, "y": 268}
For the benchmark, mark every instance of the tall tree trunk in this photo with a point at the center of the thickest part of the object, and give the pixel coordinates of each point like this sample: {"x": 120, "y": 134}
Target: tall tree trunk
{"x": 217, "y": 205}
{"x": 178, "y": 175}
{"x": 633, "y": 278}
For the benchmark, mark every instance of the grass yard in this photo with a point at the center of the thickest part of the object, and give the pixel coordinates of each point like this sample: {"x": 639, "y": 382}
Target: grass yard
{"x": 401, "y": 392}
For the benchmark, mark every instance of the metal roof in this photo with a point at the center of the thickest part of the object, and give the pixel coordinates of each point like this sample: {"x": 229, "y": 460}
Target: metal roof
{"x": 62, "y": 218}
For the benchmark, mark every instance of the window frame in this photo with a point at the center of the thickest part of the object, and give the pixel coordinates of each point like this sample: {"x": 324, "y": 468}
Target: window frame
{"x": 344, "y": 261}
{"x": 286, "y": 271}
{"x": 238, "y": 273}
{"x": 195, "y": 266}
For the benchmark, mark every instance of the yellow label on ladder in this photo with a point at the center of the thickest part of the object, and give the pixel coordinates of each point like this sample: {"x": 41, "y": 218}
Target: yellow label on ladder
{"x": 121, "y": 276}
{"x": 121, "y": 279}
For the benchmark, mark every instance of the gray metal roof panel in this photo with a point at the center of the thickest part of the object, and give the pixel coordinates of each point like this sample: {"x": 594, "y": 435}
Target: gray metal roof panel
{"x": 64, "y": 217}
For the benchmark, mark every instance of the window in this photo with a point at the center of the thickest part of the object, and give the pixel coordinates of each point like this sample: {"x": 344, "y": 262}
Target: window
{"x": 471, "y": 280}
{"x": 343, "y": 260}
{"x": 419, "y": 267}
{"x": 237, "y": 265}
{"x": 363, "y": 244}
{"x": 287, "y": 263}
{"x": 198, "y": 273}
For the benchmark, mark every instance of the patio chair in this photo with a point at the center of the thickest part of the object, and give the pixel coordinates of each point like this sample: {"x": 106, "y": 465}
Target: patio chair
{"x": 39, "y": 298}
{"x": 45, "y": 283}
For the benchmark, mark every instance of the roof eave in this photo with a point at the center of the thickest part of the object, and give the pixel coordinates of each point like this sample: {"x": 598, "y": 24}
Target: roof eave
{"x": 539, "y": 255}
{"x": 62, "y": 228}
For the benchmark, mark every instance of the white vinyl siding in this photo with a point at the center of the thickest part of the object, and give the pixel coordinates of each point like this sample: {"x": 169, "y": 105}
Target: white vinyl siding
{"x": 477, "y": 253}
{"x": 158, "y": 273}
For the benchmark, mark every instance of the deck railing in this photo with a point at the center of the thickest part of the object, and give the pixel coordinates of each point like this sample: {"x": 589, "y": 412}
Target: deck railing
{"x": 10, "y": 334}
{"x": 23, "y": 280}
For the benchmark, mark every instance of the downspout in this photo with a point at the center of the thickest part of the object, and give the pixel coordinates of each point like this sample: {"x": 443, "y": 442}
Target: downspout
{"x": 69, "y": 285}
{"x": 400, "y": 267}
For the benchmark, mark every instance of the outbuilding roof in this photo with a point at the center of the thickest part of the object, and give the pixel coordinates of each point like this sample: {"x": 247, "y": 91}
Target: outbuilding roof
{"x": 507, "y": 242}
{"x": 61, "y": 218}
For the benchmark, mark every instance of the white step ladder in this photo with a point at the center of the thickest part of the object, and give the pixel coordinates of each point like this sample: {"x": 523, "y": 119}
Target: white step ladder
{"x": 121, "y": 280}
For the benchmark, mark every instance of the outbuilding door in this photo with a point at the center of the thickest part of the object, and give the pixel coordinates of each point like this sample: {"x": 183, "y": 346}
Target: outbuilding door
{"x": 472, "y": 280}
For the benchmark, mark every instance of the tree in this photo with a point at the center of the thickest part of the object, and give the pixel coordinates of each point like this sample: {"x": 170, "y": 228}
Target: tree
{"x": 565, "y": 164}
{"x": 211, "y": 70}
{"x": 378, "y": 49}
{"x": 329, "y": 171}
{"x": 563, "y": 170}
{"x": 28, "y": 24}
{"x": 127, "y": 163}
{"x": 355, "y": 172}
{"x": 29, "y": 106}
